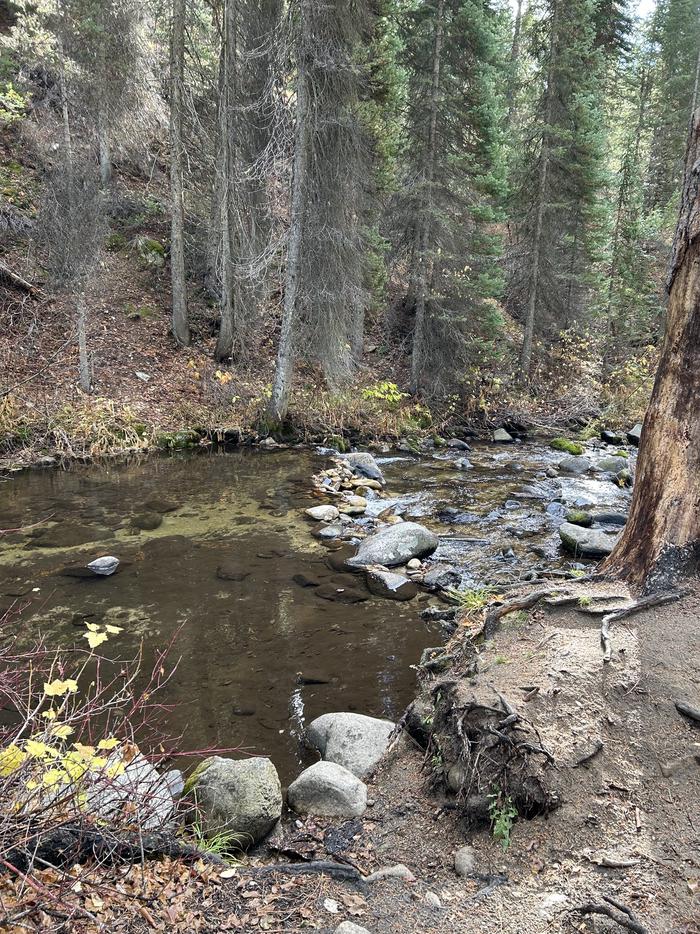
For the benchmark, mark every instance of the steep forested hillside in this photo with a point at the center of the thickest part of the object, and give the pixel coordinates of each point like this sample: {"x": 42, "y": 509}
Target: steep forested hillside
{"x": 467, "y": 202}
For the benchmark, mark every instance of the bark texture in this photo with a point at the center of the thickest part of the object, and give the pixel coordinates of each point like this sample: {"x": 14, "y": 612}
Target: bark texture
{"x": 661, "y": 541}
{"x": 181, "y": 330}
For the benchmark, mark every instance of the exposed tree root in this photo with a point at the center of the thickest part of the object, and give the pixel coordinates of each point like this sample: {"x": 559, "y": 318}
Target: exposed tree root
{"x": 616, "y": 911}
{"x": 692, "y": 713}
{"x": 321, "y": 866}
{"x": 645, "y": 603}
{"x": 525, "y": 602}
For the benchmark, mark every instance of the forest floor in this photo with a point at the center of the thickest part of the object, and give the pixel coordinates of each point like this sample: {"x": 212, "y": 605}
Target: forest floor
{"x": 628, "y": 826}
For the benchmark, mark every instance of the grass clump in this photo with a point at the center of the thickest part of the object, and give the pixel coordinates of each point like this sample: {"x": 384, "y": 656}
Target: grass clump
{"x": 567, "y": 446}
{"x": 472, "y": 600}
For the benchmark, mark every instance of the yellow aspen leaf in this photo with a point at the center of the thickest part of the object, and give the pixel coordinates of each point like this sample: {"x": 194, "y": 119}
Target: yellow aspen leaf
{"x": 58, "y": 688}
{"x": 39, "y": 750}
{"x": 32, "y": 784}
{"x": 74, "y": 766}
{"x": 95, "y": 638}
{"x": 49, "y": 714}
{"x": 113, "y": 630}
{"x": 62, "y": 730}
{"x": 85, "y": 752}
{"x": 98, "y": 762}
{"x": 115, "y": 770}
{"x": 108, "y": 743}
{"x": 11, "y": 758}
{"x": 53, "y": 777}
{"x": 93, "y": 627}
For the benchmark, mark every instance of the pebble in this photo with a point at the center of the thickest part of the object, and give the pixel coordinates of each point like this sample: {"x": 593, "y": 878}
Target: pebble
{"x": 347, "y": 927}
{"x": 465, "y": 861}
{"x": 414, "y": 564}
{"x": 432, "y": 899}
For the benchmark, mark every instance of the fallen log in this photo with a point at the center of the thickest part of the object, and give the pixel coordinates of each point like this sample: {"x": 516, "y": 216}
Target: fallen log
{"x": 16, "y": 281}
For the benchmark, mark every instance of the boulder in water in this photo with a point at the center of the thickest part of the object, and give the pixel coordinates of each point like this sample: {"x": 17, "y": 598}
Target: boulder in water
{"x": 634, "y": 434}
{"x": 586, "y": 543}
{"x": 364, "y": 464}
{"x": 322, "y": 513}
{"x": 575, "y": 465}
{"x": 611, "y": 437}
{"x": 458, "y": 445}
{"x": 352, "y": 740}
{"x": 105, "y": 566}
{"x": 395, "y": 545}
{"x": 393, "y": 586}
{"x": 328, "y": 790}
{"x": 501, "y": 436}
{"x": 613, "y": 465}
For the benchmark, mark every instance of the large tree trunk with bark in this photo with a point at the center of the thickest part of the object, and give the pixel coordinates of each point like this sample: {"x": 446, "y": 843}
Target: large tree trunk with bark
{"x": 661, "y": 541}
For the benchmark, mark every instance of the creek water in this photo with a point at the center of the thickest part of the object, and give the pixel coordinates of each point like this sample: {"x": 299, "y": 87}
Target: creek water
{"x": 215, "y": 546}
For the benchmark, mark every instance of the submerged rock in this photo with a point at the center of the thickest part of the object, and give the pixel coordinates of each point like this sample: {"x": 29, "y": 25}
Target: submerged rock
{"x": 395, "y": 545}
{"x": 390, "y": 585}
{"x": 242, "y": 797}
{"x": 463, "y": 464}
{"x": 352, "y": 740}
{"x": 328, "y": 790}
{"x": 588, "y": 543}
{"x": 328, "y": 530}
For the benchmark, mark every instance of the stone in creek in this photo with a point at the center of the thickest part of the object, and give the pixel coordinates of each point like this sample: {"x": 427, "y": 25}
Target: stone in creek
{"x": 613, "y": 465}
{"x": 463, "y": 464}
{"x": 328, "y": 531}
{"x": 501, "y": 436}
{"x": 634, "y": 435}
{"x": 243, "y": 797}
{"x": 611, "y": 437}
{"x": 442, "y": 577}
{"x": 363, "y": 463}
{"x": 322, "y": 513}
{"x": 390, "y": 585}
{"x": 458, "y": 445}
{"x": 301, "y": 580}
{"x": 104, "y": 566}
{"x": 328, "y": 790}
{"x": 395, "y": 545}
{"x": 231, "y": 572}
{"x": 555, "y": 509}
{"x": 340, "y": 594}
{"x": 352, "y": 740}
{"x": 147, "y": 521}
{"x": 414, "y": 564}
{"x": 353, "y": 505}
{"x": 587, "y": 543}
{"x": 576, "y": 465}
{"x": 579, "y": 517}
{"x": 610, "y": 518}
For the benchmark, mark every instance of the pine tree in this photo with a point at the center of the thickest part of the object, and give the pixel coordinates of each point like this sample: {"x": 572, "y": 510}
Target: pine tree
{"x": 677, "y": 32}
{"x": 452, "y": 186}
{"x": 557, "y": 211}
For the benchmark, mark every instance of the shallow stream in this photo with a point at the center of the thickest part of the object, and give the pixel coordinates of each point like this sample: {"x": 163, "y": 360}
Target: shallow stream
{"x": 216, "y": 545}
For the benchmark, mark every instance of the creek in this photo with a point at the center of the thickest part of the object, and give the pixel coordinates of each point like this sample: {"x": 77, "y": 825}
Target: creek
{"x": 214, "y": 546}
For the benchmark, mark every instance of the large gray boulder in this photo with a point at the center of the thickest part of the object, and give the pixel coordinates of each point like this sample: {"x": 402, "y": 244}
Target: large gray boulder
{"x": 328, "y": 790}
{"x": 575, "y": 465}
{"x": 613, "y": 465}
{"x": 586, "y": 543}
{"x": 395, "y": 545}
{"x": 393, "y": 586}
{"x": 135, "y": 785}
{"x": 352, "y": 740}
{"x": 363, "y": 464}
{"x": 238, "y": 796}
{"x": 501, "y": 436}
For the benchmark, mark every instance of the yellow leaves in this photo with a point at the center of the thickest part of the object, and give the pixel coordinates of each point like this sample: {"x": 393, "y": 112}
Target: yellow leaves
{"x": 54, "y": 777}
{"x": 223, "y": 378}
{"x": 95, "y": 638}
{"x": 85, "y": 752}
{"x": 62, "y": 731}
{"x": 113, "y": 630}
{"x": 49, "y": 714}
{"x": 39, "y": 750}
{"x": 11, "y": 758}
{"x": 115, "y": 770}
{"x": 58, "y": 688}
{"x": 108, "y": 743}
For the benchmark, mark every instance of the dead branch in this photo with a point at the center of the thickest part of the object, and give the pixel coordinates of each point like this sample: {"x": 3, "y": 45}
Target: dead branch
{"x": 644, "y": 603}
{"x": 693, "y": 713}
{"x": 17, "y": 282}
{"x": 622, "y": 916}
{"x": 323, "y": 866}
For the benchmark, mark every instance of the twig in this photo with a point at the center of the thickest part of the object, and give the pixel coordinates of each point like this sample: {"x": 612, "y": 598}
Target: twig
{"x": 644, "y": 603}
{"x": 693, "y": 713}
{"x": 17, "y": 282}
{"x": 625, "y": 918}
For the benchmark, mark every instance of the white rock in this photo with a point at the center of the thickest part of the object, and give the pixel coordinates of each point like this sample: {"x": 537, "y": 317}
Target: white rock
{"x": 104, "y": 566}
{"x": 392, "y": 872}
{"x": 414, "y": 564}
{"x": 432, "y": 899}
{"x": 352, "y": 740}
{"x": 322, "y": 513}
{"x": 465, "y": 861}
{"x": 347, "y": 927}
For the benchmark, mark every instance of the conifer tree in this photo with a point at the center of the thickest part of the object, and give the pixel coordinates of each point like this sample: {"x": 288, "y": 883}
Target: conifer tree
{"x": 452, "y": 185}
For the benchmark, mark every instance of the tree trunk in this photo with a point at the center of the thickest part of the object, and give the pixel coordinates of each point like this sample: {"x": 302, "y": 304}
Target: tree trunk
{"x": 83, "y": 359}
{"x": 662, "y": 537}
{"x": 424, "y": 271}
{"x": 542, "y": 180}
{"x": 181, "y": 330}
{"x": 282, "y": 385}
{"x": 105, "y": 148}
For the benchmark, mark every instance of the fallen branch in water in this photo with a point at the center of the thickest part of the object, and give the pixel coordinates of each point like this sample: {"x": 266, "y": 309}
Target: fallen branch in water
{"x": 644, "y": 603}
{"x": 622, "y": 915}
